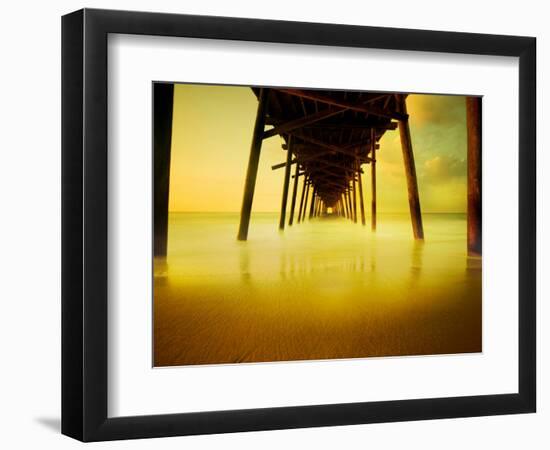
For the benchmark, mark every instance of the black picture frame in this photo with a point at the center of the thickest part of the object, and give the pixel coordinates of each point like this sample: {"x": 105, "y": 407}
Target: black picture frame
{"x": 84, "y": 224}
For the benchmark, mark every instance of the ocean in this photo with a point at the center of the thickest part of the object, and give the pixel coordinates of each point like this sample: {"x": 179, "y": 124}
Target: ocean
{"x": 327, "y": 288}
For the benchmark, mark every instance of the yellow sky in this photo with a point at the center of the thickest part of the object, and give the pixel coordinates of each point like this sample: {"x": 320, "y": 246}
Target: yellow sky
{"x": 212, "y": 130}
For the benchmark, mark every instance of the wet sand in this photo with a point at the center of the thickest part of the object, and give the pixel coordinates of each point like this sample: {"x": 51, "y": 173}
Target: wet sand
{"x": 319, "y": 290}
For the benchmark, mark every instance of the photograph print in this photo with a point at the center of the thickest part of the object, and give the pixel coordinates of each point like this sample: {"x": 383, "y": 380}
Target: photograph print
{"x": 300, "y": 224}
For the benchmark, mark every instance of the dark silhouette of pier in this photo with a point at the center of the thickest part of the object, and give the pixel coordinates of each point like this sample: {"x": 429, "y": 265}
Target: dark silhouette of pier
{"x": 331, "y": 139}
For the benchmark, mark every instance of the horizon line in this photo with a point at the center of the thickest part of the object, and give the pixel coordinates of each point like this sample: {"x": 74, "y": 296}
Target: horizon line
{"x": 278, "y": 212}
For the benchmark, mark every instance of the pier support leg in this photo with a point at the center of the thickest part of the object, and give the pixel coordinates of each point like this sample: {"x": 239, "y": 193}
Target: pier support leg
{"x": 286, "y": 182}
{"x": 304, "y": 187}
{"x": 354, "y": 200}
{"x": 410, "y": 172}
{"x": 163, "y": 105}
{"x": 294, "y": 193}
{"x": 473, "y": 122}
{"x": 312, "y": 205}
{"x": 350, "y": 208}
{"x": 253, "y": 161}
{"x": 305, "y": 203}
{"x": 361, "y": 202}
{"x": 373, "y": 195}
{"x": 373, "y": 180}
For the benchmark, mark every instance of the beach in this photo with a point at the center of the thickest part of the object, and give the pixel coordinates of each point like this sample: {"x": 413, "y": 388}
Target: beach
{"x": 327, "y": 288}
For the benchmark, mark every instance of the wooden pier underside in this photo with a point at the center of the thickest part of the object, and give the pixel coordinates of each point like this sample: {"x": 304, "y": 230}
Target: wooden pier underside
{"x": 330, "y": 136}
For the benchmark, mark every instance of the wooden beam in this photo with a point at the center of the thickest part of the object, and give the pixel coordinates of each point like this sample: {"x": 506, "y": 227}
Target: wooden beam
{"x": 301, "y": 122}
{"x": 349, "y": 151}
{"x": 350, "y": 126}
{"x": 282, "y": 218}
{"x": 410, "y": 172}
{"x": 473, "y": 123}
{"x": 294, "y": 192}
{"x": 302, "y": 160}
{"x": 320, "y": 97}
{"x": 325, "y": 166}
{"x": 163, "y": 105}
{"x": 334, "y": 183}
{"x": 253, "y": 160}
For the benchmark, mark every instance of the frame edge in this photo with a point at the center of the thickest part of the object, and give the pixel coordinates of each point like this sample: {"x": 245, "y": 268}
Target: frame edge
{"x": 72, "y": 221}
{"x": 84, "y": 378}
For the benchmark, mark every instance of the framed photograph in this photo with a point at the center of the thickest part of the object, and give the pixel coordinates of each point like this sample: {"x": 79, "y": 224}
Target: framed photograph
{"x": 273, "y": 224}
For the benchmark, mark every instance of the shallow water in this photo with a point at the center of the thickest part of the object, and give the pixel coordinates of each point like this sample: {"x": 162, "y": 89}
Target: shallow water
{"x": 326, "y": 288}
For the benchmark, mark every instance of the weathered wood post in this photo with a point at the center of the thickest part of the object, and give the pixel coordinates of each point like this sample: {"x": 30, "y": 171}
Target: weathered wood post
{"x": 350, "y": 208}
{"x": 473, "y": 122}
{"x": 354, "y": 199}
{"x": 361, "y": 203}
{"x": 304, "y": 187}
{"x": 312, "y": 205}
{"x": 163, "y": 106}
{"x": 253, "y": 160}
{"x": 373, "y": 179}
{"x": 294, "y": 193}
{"x": 282, "y": 218}
{"x": 410, "y": 170}
{"x": 308, "y": 188}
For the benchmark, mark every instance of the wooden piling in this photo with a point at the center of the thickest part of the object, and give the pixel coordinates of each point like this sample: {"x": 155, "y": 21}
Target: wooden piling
{"x": 163, "y": 106}
{"x": 294, "y": 192}
{"x": 308, "y": 188}
{"x": 304, "y": 187}
{"x": 354, "y": 200}
{"x": 350, "y": 207}
{"x": 473, "y": 123}
{"x": 373, "y": 181}
{"x": 253, "y": 161}
{"x": 286, "y": 181}
{"x": 410, "y": 170}
{"x": 361, "y": 202}
{"x": 313, "y": 198}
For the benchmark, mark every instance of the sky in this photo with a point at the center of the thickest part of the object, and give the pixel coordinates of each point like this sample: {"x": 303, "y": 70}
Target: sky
{"x": 212, "y": 131}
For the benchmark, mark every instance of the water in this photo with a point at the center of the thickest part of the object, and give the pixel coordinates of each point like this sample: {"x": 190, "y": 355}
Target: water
{"x": 323, "y": 289}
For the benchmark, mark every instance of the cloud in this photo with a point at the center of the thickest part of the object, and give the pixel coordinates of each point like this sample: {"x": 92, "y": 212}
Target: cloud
{"x": 436, "y": 109}
{"x": 443, "y": 168}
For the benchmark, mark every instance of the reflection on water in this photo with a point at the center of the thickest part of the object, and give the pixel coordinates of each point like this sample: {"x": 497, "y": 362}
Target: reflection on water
{"x": 323, "y": 289}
